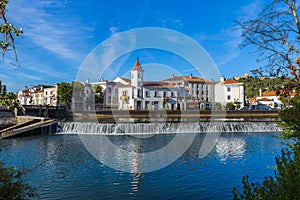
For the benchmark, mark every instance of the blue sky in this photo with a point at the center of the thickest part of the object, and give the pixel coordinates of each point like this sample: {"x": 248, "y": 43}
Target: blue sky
{"x": 59, "y": 35}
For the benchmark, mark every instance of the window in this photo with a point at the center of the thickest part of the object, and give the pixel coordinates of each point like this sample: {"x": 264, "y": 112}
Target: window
{"x": 172, "y": 94}
{"x": 147, "y": 105}
{"x": 124, "y": 93}
{"x": 87, "y": 91}
{"x": 139, "y": 93}
{"x": 147, "y": 93}
{"x": 164, "y": 105}
{"x": 228, "y": 97}
{"x": 109, "y": 90}
{"x": 139, "y": 75}
{"x": 46, "y": 93}
{"x": 155, "y": 94}
{"x": 165, "y": 94}
{"x": 228, "y": 89}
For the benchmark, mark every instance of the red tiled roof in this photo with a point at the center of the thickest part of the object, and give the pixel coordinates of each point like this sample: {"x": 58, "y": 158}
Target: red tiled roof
{"x": 152, "y": 84}
{"x": 230, "y": 82}
{"x": 271, "y": 93}
{"x": 264, "y": 99}
{"x": 188, "y": 78}
{"x": 137, "y": 65}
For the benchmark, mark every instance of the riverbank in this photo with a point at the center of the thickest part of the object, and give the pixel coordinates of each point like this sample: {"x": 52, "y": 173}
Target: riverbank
{"x": 173, "y": 116}
{"x": 7, "y": 118}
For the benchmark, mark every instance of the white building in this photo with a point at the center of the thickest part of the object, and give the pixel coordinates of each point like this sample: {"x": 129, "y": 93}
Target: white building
{"x": 39, "y": 95}
{"x": 199, "y": 93}
{"x": 227, "y": 91}
{"x": 269, "y": 99}
{"x": 139, "y": 95}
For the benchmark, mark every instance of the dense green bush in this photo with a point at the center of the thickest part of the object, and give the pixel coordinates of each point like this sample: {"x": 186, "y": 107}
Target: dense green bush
{"x": 12, "y": 186}
{"x": 286, "y": 181}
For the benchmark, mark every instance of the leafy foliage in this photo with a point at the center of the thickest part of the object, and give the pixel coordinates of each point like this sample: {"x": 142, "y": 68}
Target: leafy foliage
{"x": 65, "y": 93}
{"x": 284, "y": 185}
{"x": 7, "y": 99}
{"x": 254, "y": 84}
{"x": 230, "y": 106}
{"x": 12, "y": 185}
{"x": 99, "y": 96}
{"x": 8, "y": 32}
{"x": 275, "y": 34}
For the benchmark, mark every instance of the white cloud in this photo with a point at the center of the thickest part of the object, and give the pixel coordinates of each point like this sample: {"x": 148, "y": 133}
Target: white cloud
{"x": 250, "y": 10}
{"x": 113, "y": 30}
{"x": 26, "y": 76}
{"x": 53, "y": 32}
{"x": 227, "y": 41}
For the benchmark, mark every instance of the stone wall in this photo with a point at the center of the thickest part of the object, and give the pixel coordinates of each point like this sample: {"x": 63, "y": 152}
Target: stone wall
{"x": 7, "y": 118}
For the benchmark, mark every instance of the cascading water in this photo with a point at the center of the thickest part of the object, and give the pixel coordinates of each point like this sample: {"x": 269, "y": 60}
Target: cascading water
{"x": 157, "y": 128}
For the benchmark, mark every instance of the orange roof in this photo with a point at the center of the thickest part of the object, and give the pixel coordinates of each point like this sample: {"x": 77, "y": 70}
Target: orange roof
{"x": 264, "y": 99}
{"x": 152, "y": 84}
{"x": 137, "y": 65}
{"x": 271, "y": 93}
{"x": 230, "y": 82}
{"x": 188, "y": 78}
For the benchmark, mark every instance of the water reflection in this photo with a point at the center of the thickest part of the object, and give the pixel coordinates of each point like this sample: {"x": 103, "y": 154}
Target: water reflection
{"x": 231, "y": 148}
{"x": 136, "y": 182}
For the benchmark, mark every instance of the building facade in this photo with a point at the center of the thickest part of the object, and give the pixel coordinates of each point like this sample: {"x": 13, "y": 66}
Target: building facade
{"x": 229, "y": 91}
{"x": 39, "y": 95}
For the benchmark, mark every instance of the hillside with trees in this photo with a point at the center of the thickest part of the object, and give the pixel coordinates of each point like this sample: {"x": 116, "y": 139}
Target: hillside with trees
{"x": 253, "y": 85}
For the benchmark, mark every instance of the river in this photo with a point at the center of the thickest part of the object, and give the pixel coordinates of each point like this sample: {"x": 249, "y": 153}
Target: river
{"x": 62, "y": 168}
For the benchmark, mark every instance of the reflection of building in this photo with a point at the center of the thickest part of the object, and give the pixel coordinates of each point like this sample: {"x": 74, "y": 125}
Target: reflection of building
{"x": 39, "y": 95}
{"x": 227, "y": 91}
{"x": 231, "y": 148}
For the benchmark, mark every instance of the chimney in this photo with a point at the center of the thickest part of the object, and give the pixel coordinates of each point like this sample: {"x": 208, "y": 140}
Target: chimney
{"x": 222, "y": 79}
{"x": 260, "y": 92}
{"x": 191, "y": 75}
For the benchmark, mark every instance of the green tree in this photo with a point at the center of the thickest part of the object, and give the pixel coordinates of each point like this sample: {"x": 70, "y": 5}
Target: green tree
{"x": 230, "y": 106}
{"x": 98, "y": 94}
{"x": 12, "y": 185}
{"x": 275, "y": 34}
{"x": 285, "y": 183}
{"x": 217, "y": 106}
{"x": 4, "y": 90}
{"x": 9, "y": 101}
{"x": 8, "y": 32}
{"x": 65, "y": 93}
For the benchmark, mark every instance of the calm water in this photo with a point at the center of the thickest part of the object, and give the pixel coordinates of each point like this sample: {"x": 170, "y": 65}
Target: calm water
{"x": 63, "y": 169}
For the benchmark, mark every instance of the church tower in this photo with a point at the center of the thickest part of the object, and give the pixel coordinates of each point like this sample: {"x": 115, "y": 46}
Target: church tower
{"x": 137, "y": 79}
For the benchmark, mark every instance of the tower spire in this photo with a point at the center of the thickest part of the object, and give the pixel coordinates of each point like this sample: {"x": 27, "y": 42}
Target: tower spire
{"x": 137, "y": 65}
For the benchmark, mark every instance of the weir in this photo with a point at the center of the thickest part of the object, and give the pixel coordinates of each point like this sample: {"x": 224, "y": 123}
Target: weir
{"x": 164, "y": 128}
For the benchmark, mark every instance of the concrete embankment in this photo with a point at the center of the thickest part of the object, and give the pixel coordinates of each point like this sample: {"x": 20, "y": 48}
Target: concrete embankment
{"x": 7, "y": 118}
{"x": 29, "y": 126}
{"x": 207, "y": 115}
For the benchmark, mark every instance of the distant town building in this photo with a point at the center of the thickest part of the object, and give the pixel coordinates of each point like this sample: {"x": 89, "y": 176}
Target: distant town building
{"x": 227, "y": 91}
{"x": 270, "y": 99}
{"x": 199, "y": 93}
{"x": 39, "y": 95}
{"x": 174, "y": 93}
{"x": 135, "y": 94}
